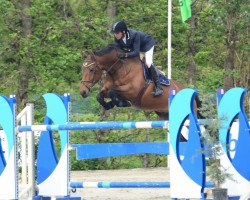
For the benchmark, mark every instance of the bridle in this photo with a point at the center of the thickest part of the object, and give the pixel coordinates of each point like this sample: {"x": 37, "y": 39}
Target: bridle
{"x": 93, "y": 67}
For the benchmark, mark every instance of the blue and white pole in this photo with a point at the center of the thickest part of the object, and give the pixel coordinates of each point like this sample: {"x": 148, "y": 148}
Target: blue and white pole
{"x": 96, "y": 126}
{"x": 120, "y": 184}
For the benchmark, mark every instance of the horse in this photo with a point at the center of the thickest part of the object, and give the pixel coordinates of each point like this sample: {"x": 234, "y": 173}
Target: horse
{"x": 125, "y": 84}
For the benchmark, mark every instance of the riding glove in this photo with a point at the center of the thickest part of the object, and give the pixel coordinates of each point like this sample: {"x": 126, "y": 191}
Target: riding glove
{"x": 122, "y": 55}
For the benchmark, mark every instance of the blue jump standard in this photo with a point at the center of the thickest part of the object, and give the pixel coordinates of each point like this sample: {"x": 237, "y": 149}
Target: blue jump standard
{"x": 125, "y": 184}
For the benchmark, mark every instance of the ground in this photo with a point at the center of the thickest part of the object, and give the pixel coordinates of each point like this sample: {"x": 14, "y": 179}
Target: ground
{"x": 154, "y": 174}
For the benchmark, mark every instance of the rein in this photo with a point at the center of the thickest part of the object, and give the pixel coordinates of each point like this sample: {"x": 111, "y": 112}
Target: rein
{"x": 111, "y": 67}
{"x": 94, "y": 66}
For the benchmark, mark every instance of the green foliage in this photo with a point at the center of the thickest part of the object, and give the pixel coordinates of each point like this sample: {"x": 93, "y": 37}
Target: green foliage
{"x": 60, "y": 30}
{"x": 215, "y": 171}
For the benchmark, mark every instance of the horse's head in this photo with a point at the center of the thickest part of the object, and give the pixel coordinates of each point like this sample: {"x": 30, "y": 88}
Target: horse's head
{"x": 91, "y": 74}
{"x": 104, "y": 60}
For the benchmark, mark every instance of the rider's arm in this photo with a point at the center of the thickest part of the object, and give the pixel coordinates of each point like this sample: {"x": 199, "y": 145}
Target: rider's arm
{"x": 136, "y": 47}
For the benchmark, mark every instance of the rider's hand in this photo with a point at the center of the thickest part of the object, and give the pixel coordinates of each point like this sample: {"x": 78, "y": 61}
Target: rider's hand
{"x": 122, "y": 55}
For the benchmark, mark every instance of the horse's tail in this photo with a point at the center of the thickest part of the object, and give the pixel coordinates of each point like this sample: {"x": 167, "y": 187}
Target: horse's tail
{"x": 199, "y": 105}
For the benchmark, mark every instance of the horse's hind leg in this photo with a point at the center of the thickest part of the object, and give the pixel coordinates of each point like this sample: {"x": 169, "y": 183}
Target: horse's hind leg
{"x": 162, "y": 115}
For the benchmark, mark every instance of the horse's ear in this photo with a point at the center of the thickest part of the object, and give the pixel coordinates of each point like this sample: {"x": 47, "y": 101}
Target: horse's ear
{"x": 84, "y": 54}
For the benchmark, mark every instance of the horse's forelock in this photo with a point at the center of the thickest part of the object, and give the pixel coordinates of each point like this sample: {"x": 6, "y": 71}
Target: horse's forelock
{"x": 87, "y": 60}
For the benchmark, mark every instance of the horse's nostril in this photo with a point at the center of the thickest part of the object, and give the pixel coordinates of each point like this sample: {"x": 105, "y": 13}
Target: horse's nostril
{"x": 83, "y": 94}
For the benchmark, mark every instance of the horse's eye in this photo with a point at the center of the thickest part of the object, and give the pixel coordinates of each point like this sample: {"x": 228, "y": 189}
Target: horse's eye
{"x": 91, "y": 69}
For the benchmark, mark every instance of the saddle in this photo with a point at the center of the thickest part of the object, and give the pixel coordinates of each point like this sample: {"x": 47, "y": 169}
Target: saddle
{"x": 163, "y": 79}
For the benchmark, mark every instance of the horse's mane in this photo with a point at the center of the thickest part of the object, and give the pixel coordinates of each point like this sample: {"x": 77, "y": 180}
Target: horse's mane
{"x": 107, "y": 49}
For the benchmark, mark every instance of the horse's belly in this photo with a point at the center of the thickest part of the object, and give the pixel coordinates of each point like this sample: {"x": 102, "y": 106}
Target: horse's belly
{"x": 151, "y": 103}
{"x": 155, "y": 105}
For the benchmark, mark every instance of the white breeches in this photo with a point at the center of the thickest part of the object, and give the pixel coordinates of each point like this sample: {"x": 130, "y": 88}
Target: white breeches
{"x": 149, "y": 57}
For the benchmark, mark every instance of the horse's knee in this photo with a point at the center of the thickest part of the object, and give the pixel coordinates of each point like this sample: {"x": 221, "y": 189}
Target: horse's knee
{"x": 106, "y": 105}
{"x": 101, "y": 95}
{"x": 100, "y": 98}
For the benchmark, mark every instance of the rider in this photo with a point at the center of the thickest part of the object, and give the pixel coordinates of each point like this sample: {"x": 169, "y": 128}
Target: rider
{"x": 133, "y": 42}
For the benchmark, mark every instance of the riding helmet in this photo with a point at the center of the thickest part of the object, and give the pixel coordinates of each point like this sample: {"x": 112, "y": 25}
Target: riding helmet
{"x": 119, "y": 26}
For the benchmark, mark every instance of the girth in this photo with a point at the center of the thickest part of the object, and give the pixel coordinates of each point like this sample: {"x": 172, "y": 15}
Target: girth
{"x": 137, "y": 101}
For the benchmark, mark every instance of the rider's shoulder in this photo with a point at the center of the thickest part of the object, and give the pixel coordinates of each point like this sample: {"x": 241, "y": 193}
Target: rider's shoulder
{"x": 134, "y": 33}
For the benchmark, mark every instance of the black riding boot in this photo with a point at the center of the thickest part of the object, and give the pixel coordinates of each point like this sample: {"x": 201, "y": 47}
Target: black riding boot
{"x": 158, "y": 90}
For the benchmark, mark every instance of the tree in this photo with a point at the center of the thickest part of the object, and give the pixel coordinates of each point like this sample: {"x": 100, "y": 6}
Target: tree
{"x": 111, "y": 11}
{"x": 192, "y": 47}
{"x": 230, "y": 15}
{"x": 25, "y": 53}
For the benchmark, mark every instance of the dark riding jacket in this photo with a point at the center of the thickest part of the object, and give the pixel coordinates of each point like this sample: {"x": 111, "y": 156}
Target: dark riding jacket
{"x": 136, "y": 42}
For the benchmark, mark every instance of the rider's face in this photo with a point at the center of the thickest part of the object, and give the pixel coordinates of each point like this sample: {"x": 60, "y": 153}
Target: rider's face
{"x": 118, "y": 35}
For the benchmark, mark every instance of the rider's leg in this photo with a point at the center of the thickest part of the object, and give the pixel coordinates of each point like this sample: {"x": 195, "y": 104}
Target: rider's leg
{"x": 158, "y": 90}
{"x": 153, "y": 73}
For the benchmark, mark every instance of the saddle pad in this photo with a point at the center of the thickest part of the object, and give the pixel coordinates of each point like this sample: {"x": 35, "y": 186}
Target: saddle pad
{"x": 163, "y": 79}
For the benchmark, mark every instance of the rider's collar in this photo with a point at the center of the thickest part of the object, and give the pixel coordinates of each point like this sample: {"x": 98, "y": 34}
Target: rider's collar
{"x": 126, "y": 37}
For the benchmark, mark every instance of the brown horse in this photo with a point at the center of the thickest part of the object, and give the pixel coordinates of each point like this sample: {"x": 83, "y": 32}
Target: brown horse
{"x": 124, "y": 83}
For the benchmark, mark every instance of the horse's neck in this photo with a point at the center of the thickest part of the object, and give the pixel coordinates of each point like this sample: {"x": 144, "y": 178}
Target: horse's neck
{"x": 133, "y": 65}
{"x": 129, "y": 78}
{"x": 105, "y": 60}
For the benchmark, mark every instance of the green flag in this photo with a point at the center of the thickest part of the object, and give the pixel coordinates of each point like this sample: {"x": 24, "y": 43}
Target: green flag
{"x": 185, "y": 9}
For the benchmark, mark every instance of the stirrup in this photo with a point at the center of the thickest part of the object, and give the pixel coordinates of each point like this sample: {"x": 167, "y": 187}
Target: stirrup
{"x": 157, "y": 92}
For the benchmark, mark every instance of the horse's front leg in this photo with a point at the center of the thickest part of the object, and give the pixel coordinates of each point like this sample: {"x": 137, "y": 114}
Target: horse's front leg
{"x": 117, "y": 101}
{"x": 106, "y": 105}
{"x": 108, "y": 82}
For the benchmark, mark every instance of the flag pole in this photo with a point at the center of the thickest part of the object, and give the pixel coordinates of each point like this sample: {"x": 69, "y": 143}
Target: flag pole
{"x": 169, "y": 36}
